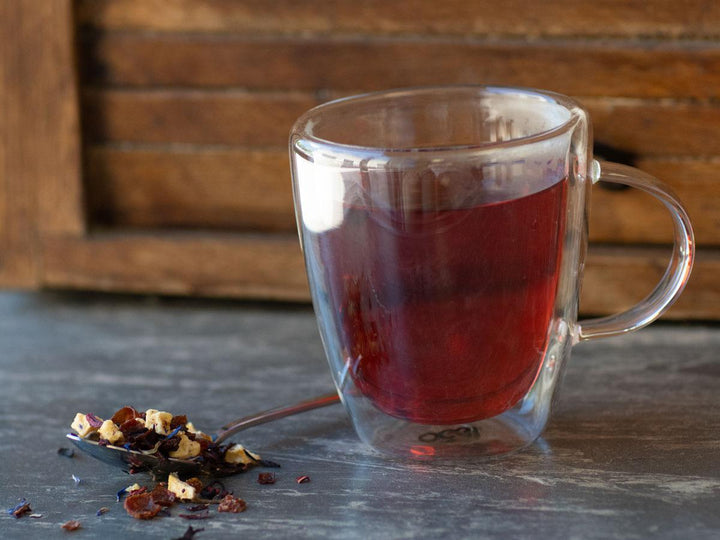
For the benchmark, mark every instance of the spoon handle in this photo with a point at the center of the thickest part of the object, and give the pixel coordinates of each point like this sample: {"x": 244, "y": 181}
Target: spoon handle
{"x": 274, "y": 414}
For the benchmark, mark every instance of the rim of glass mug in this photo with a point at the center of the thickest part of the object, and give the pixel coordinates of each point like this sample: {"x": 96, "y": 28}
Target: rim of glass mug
{"x": 573, "y": 111}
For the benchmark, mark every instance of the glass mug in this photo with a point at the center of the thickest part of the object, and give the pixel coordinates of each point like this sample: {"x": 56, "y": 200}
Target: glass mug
{"x": 444, "y": 232}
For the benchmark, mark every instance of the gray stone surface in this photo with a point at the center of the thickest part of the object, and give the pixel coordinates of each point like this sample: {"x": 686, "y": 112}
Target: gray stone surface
{"x": 632, "y": 450}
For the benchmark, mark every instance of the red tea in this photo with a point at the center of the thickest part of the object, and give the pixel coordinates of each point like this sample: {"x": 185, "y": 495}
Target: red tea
{"x": 443, "y": 315}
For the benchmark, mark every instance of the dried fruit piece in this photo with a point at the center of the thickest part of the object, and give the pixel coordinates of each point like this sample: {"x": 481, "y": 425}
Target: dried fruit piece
{"x": 186, "y": 449}
{"x": 101, "y": 511}
{"x": 72, "y": 525}
{"x": 20, "y": 509}
{"x": 183, "y": 490}
{"x": 266, "y": 478}
{"x": 158, "y": 421}
{"x": 162, "y": 496}
{"x": 232, "y": 504}
{"x": 302, "y": 479}
{"x": 110, "y": 432}
{"x": 141, "y": 506}
{"x": 85, "y": 424}
{"x": 123, "y": 415}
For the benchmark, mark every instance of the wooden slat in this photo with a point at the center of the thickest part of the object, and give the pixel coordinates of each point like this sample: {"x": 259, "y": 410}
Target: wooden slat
{"x": 198, "y": 117}
{"x": 272, "y": 267}
{"x": 231, "y": 189}
{"x": 39, "y": 159}
{"x": 631, "y": 216}
{"x": 616, "y": 278}
{"x": 250, "y": 189}
{"x": 246, "y": 266}
{"x": 641, "y": 126}
{"x": 611, "y": 68}
{"x": 510, "y": 17}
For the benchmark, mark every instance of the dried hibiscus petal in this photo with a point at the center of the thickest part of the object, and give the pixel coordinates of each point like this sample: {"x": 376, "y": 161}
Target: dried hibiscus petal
{"x": 199, "y": 515}
{"x": 141, "y": 506}
{"x": 72, "y": 525}
{"x": 232, "y": 504}
{"x": 93, "y": 420}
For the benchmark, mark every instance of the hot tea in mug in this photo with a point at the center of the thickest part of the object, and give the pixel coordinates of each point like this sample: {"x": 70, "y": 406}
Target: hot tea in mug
{"x": 444, "y": 231}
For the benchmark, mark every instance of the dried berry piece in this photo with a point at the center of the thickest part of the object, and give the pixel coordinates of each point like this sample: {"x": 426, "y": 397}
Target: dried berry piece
{"x": 132, "y": 426}
{"x": 189, "y": 534}
{"x": 123, "y": 415}
{"x": 162, "y": 496}
{"x": 266, "y": 478}
{"x": 232, "y": 504}
{"x": 20, "y": 509}
{"x": 178, "y": 421}
{"x": 72, "y": 525}
{"x": 302, "y": 479}
{"x": 141, "y": 506}
{"x": 214, "y": 490}
{"x": 196, "y": 483}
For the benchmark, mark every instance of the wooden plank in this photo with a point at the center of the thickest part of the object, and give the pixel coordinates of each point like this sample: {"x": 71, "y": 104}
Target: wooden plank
{"x": 271, "y": 267}
{"x": 40, "y": 159}
{"x": 241, "y": 188}
{"x": 657, "y": 127}
{"x": 246, "y": 266}
{"x": 237, "y": 117}
{"x": 631, "y": 216}
{"x": 632, "y": 68}
{"x": 231, "y": 189}
{"x": 616, "y": 278}
{"x": 510, "y": 17}
{"x": 194, "y": 116}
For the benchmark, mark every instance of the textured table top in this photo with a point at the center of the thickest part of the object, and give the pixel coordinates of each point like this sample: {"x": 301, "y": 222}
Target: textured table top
{"x": 632, "y": 450}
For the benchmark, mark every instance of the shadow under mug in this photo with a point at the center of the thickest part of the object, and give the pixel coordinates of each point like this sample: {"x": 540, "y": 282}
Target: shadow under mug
{"x": 444, "y": 232}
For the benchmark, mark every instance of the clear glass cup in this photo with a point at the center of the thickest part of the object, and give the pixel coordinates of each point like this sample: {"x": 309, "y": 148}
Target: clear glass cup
{"x": 444, "y": 232}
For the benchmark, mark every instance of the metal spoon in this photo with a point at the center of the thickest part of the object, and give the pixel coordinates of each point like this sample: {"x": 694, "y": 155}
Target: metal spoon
{"x": 133, "y": 460}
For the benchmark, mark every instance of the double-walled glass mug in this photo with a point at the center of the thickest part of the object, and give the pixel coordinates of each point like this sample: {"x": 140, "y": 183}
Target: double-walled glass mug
{"x": 444, "y": 232}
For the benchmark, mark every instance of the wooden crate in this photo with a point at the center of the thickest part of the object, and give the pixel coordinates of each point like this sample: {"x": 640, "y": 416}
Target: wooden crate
{"x": 144, "y": 141}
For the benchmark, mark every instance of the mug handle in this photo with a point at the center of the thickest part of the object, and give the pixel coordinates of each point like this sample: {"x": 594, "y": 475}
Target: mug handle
{"x": 677, "y": 273}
